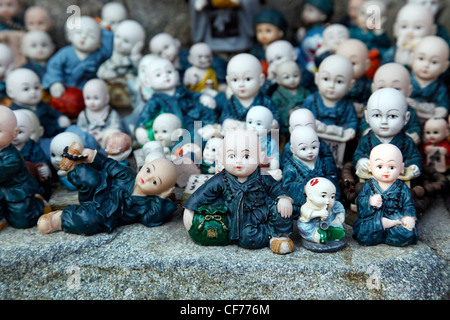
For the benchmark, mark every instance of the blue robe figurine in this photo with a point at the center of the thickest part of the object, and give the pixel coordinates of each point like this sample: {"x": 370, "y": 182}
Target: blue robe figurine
{"x": 435, "y": 92}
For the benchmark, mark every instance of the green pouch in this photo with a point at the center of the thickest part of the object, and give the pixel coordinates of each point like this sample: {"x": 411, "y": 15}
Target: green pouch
{"x": 210, "y": 226}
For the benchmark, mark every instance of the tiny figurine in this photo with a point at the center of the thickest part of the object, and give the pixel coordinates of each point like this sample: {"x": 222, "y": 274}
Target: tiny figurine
{"x": 73, "y": 65}
{"x": 290, "y": 94}
{"x": 270, "y": 26}
{"x": 322, "y": 217}
{"x": 167, "y": 130}
{"x": 437, "y": 147}
{"x": 112, "y": 14}
{"x": 7, "y": 65}
{"x": 37, "y": 48}
{"x": 314, "y": 14}
{"x": 310, "y": 43}
{"x": 430, "y": 60}
{"x": 257, "y": 208}
{"x": 98, "y": 114}
{"x": 413, "y": 22}
{"x": 385, "y": 207}
{"x": 387, "y": 113}
{"x": 332, "y": 37}
{"x": 210, "y": 154}
{"x": 37, "y": 18}
{"x": 245, "y": 79}
{"x": 21, "y": 206}
{"x": 37, "y": 162}
{"x": 118, "y": 146}
{"x": 358, "y": 53}
{"x": 395, "y": 75}
{"x": 200, "y": 75}
{"x": 112, "y": 195}
{"x": 171, "y": 97}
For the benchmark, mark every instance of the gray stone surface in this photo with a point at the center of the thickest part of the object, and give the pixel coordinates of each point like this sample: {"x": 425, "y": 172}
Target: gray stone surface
{"x": 135, "y": 262}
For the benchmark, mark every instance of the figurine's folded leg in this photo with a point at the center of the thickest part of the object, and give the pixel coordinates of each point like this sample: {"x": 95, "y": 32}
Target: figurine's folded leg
{"x": 254, "y": 237}
{"x": 25, "y": 213}
{"x": 86, "y": 179}
{"x": 365, "y": 232}
{"x": 400, "y": 236}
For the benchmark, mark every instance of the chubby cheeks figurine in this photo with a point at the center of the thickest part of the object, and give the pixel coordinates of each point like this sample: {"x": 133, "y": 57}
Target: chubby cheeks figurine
{"x": 322, "y": 217}
{"x": 112, "y": 194}
{"x": 437, "y": 148}
{"x": 430, "y": 60}
{"x": 258, "y": 208}
{"x": 167, "y": 130}
{"x": 37, "y": 47}
{"x": 21, "y": 206}
{"x": 385, "y": 208}
{"x": 166, "y": 46}
{"x": 37, "y": 18}
{"x": 200, "y": 74}
{"x": 387, "y": 114}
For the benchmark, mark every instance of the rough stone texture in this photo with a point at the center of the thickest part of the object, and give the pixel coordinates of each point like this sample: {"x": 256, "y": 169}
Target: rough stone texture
{"x": 135, "y": 262}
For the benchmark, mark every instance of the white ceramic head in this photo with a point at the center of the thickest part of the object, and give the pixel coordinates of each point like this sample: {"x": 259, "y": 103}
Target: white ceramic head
{"x": 288, "y": 75}
{"x": 436, "y": 130}
{"x": 392, "y": 75}
{"x": 413, "y": 22}
{"x": 85, "y": 36}
{"x": 8, "y": 126}
{"x": 386, "y": 162}
{"x": 334, "y": 35}
{"x": 37, "y": 18}
{"x": 161, "y": 75}
{"x": 321, "y": 192}
{"x": 37, "y": 129}
{"x": 432, "y": 5}
{"x": 212, "y": 146}
{"x": 244, "y": 75}
{"x": 24, "y": 87}
{"x": 25, "y": 126}
{"x": 200, "y": 55}
{"x": 302, "y": 117}
{"x": 165, "y": 46}
{"x": 305, "y": 144}
{"x": 37, "y": 45}
{"x": 112, "y": 14}
{"x": 96, "y": 94}
{"x": 58, "y": 143}
{"x": 127, "y": 35}
{"x": 164, "y": 126}
{"x": 279, "y": 51}
{"x": 430, "y": 58}
{"x": 259, "y": 119}
{"x": 358, "y": 54}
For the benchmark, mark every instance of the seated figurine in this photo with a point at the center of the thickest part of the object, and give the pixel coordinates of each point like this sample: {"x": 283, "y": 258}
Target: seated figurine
{"x": 259, "y": 210}
{"x": 167, "y": 130}
{"x": 385, "y": 207}
{"x": 200, "y": 75}
{"x": 387, "y": 113}
{"x": 322, "y": 217}
{"x": 20, "y": 205}
{"x": 112, "y": 195}
{"x": 437, "y": 148}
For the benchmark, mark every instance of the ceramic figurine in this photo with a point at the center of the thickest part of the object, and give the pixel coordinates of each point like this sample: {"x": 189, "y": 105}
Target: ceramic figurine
{"x": 310, "y": 43}
{"x": 37, "y": 48}
{"x": 37, "y": 131}
{"x": 314, "y": 14}
{"x": 335, "y": 114}
{"x": 257, "y": 208}
{"x": 306, "y": 163}
{"x": 387, "y": 113}
{"x": 437, "y": 148}
{"x": 358, "y": 53}
{"x": 225, "y": 28}
{"x": 167, "y": 130}
{"x": 7, "y": 65}
{"x": 430, "y": 60}
{"x": 73, "y": 65}
{"x": 37, "y": 18}
{"x": 332, "y": 37}
{"x": 112, "y": 14}
{"x": 276, "y": 53}
{"x": 112, "y": 195}
{"x": 24, "y": 88}
{"x": 270, "y": 26}
{"x": 118, "y": 146}
{"x": 385, "y": 207}
{"x": 20, "y": 207}
{"x": 412, "y": 23}
{"x": 395, "y": 75}
{"x": 289, "y": 94}
{"x": 8, "y": 15}
{"x": 245, "y": 79}
{"x": 260, "y": 120}
{"x": 210, "y": 154}
{"x": 351, "y": 17}
{"x": 170, "y": 97}
{"x": 200, "y": 75}
{"x": 129, "y": 37}
{"x": 322, "y": 217}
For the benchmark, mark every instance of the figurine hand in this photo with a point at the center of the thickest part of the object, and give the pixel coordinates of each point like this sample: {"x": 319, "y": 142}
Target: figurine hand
{"x": 188, "y": 216}
{"x": 208, "y": 101}
{"x": 349, "y": 134}
{"x": 64, "y": 122}
{"x": 44, "y": 172}
{"x": 376, "y": 200}
{"x": 415, "y": 169}
{"x": 363, "y": 164}
{"x": 388, "y": 223}
{"x": 167, "y": 193}
{"x": 323, "y": 214}
{"x": 90, "y": 155}
{"x": 57, "y": 89}
{"x": 284, "y": 207}
{"x": 141, "y": 135}
{"x": 408, "y": 222}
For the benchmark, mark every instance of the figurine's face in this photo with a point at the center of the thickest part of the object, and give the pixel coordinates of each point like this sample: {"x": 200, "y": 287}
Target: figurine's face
{"x": 201, "y": 56}
{"x": 37, "y": 45}
{"x": 87, "y": 38}
{"x": 334, "y": 35}
{"x": 413, "y": 23}
{"x": 245, "y": 77}
{"x": 321, "y": 192}
{"x": 435, "y": 130}
{"x": 211, "y": 148}
{"x": 24, "y": 87}
{"x": 388, "y": 114}
{"x": 305, "y": 144}
{"x": 123, "y": 43}
{"x": 311, "y": 14}
{"x": 57, "y": 145}
{"x": 38, "y": 19}
{"x": 25, "y": 129}
{"x": 392, "y": 75}
{"x": 165, "y": 46}
{"x": 334, "y": 78}
{"x": 430, "y": 58}
{"x": 358, "y": 54}
{"x": 266, "y": 33}
{"x": 161, "y": 75}
{"x": 241, "y": 153}
{"x": 8, "y": 8}
{"x": 289, "y": 75}
{"x": 386, "y": 163}
{"x": 163, "y": 133}
{"x": 8, "y": 126}
{"x": 259, "y": 120}
{"x": 156, "y": 177}
{"x": 95, "y": 94}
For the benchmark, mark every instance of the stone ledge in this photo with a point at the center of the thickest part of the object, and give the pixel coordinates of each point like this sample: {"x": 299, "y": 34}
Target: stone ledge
{"x": 135, "y": 262}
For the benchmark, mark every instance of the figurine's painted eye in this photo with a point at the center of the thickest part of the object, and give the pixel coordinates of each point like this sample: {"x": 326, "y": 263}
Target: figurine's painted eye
{"x": 392, "y": 168}
{"x": 379, "y": 166}
{"x": 155, "y": 182}
{"x": 246, "y": 157}
{"x": 148, "y": 170}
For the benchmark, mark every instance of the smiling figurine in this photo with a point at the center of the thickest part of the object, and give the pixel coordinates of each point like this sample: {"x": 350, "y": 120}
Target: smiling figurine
{"x": 258, "y": 208}
{"x": 385, "y": 207}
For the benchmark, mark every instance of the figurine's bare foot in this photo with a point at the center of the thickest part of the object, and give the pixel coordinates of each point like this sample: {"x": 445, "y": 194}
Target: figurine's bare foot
{"x": 3, "y": 223}
{"x": 50, "y": 222}
{"x": 281, "y": 245}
